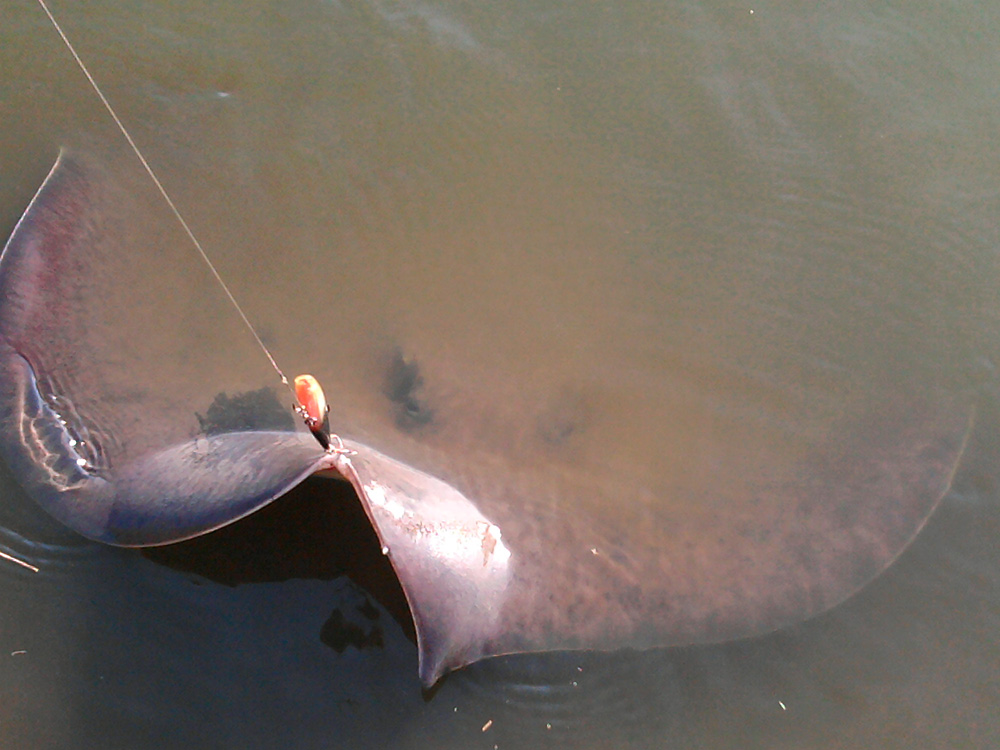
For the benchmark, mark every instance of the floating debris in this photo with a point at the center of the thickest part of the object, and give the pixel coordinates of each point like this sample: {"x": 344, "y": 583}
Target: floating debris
{"x": 22, "y": 563}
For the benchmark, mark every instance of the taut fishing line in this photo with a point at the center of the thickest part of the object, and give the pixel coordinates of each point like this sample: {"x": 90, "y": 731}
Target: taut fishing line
{"x": 167, "y": 198}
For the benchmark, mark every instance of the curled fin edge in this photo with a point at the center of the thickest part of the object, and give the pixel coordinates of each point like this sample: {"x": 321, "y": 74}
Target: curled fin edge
{"x": 451, "y": 561}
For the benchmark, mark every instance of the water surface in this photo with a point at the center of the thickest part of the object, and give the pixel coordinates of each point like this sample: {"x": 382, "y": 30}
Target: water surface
{"x": 730, "y": 226}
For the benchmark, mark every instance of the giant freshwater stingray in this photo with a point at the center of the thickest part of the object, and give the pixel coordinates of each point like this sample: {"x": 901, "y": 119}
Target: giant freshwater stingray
{"x": 514, "y": 524}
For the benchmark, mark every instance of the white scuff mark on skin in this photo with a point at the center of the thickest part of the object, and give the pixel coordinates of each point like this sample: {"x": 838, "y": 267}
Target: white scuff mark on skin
{"x": 377, "y": 496}
{"x": 493, "y": 546}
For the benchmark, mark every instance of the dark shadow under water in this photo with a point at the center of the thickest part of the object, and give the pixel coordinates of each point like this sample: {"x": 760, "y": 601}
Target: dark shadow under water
{"x": 318, "y": 531}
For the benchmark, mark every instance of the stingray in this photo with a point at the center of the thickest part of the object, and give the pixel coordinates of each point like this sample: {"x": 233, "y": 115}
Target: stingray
{"x": 519, "y": 528}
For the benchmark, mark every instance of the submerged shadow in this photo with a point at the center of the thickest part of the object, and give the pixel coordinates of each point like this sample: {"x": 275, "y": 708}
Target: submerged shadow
{"x": 317, "y": 531}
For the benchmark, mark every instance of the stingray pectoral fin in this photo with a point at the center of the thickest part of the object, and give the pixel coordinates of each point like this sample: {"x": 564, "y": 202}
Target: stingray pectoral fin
{"x": 197, "y": 486}
{"x": 450, "y": 559}
{"x": 44, "y": 456}
{"x": 167, "y": 495}
{"x": 91, "y": 422}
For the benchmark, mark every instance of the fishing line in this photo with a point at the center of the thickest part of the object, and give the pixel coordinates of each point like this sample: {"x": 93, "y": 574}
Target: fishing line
{"x": 166, "y": 197}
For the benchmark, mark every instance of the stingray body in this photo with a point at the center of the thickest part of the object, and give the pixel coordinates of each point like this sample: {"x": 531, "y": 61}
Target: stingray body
{"x": 503, "y": 545}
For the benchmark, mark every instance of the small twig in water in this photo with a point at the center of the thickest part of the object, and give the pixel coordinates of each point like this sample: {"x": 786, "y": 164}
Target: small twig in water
{"x": 22, "y": 563}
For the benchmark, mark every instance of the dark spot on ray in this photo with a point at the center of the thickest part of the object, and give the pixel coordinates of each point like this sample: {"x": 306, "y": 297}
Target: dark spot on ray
{"x": 556, "y": 432}
{"x": 564, "y": 417}
{"x": 251, "y": 410}
{"x": 404, "y": 387}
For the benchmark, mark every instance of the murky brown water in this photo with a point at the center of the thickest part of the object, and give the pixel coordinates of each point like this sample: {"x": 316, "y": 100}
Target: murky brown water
{"x": 725, "y": 225}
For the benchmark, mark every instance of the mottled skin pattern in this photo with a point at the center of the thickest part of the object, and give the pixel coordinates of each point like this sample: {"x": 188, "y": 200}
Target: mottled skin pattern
{"x": 693, "y": 583}
{"x": 584, "y": 582}
{"x": 503, "y": 537}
